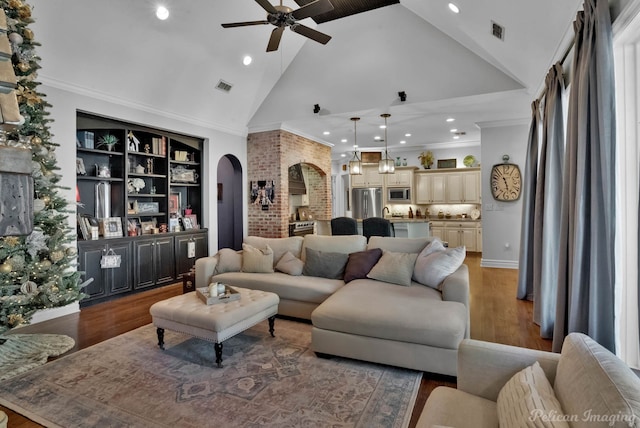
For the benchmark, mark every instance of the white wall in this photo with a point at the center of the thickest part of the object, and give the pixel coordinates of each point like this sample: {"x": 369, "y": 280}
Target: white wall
{"x": 501, "y": 221}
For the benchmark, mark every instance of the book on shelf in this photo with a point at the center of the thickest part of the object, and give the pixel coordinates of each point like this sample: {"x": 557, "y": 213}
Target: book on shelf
{"x": 159, "y": 146}
{"x": 86, "y": 139}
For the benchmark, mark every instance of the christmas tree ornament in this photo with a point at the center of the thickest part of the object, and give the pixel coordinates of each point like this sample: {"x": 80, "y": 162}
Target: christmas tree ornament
{"x": 28, "y": 33}
{"x": 56, "y": 256}
{"x": 15, "y": 4}
{"x": 46, "y": 199}
{"x": 38, "y": 205}
{"x": 24, "y": 11}
{"x": 23, "y": 66}
{"x": 71, "y": 251}
{"x": 11, "y": 241}
{"x": 29, "y": 287}
{"x": 35, "y": 140}
{"x": 5, "y": 268}
{"x": 16, "y": 39}
{"x": 45, "y": 263}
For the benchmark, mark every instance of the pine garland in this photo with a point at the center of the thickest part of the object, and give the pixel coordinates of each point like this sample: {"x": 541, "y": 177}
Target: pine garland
{"x": 37, "y": 271}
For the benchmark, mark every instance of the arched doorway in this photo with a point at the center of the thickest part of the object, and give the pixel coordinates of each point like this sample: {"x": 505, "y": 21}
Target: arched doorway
{"x": 229, "y": 180}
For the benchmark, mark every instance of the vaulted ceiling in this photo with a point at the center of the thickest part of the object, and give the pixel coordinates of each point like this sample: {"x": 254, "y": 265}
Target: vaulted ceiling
{"x": 449, "y": 65}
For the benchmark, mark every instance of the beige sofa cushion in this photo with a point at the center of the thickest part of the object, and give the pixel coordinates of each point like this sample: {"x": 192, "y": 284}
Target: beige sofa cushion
{"x": 449, "y": 407}
{"x": 591, "y": 379}
{"x": 228, "y": 261}
{"x": 279, "y": 246}
{"x": 334, "y": 244}
{"x": 414, "y": 314}
{"x": 398, "y": 245}
{"x": 259, "y": 260}
{"x": 290, "y": 264}
{"x": 395, "y": 268}
{"x": 300, "y": 288}
{"x": 527, "y": 399}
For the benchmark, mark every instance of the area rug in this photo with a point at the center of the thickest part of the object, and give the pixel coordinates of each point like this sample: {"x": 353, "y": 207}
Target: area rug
{"x": 128, "y": 381}
{"x": 20, "y": 353}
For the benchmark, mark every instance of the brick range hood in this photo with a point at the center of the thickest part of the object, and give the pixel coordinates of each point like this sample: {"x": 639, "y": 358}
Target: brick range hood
{"x": 269, "y": 156}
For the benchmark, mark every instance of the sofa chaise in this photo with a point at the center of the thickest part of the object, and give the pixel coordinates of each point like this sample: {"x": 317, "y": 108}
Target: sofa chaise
{"x": 412, "y": 325}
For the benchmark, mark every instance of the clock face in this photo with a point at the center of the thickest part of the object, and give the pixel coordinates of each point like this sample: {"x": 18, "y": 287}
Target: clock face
{"x": 506, "y": 182}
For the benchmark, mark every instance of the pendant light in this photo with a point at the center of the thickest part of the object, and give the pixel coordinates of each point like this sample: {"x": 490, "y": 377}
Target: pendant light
{"x": 355, "y": 164}
{"x": 386, "y": 165}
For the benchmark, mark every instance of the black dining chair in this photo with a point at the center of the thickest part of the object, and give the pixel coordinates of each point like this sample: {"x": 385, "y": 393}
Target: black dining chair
{"x": 344, "y": 226}
{"x": 376, "y": 226}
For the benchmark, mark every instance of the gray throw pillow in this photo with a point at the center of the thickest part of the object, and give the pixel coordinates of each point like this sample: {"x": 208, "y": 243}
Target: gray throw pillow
{"x": 360, "y": 264}
{"x": 395, "y": 268}
{"x": 324, "y": 264}
{"x": 290, "y": 264}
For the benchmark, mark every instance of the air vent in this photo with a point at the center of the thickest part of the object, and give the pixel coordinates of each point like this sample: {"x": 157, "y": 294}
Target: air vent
{"x": 497, "y": 30}
{"x": 224, "y": 86}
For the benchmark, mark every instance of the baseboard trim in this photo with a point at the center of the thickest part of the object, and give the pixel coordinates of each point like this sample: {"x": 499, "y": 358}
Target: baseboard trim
{"x": 48, "y": 314}
{"x": 503, "y": 264}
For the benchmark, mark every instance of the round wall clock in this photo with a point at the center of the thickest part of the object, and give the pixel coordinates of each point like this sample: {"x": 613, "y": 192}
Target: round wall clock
{"x": 506, "y": 181}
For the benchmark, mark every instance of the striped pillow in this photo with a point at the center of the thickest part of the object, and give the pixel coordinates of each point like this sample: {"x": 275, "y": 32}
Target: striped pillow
{"x": 528, "y": 400}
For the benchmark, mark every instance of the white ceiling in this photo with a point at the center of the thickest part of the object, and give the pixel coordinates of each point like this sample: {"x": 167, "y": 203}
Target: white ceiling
{"x": 449, "y": 65}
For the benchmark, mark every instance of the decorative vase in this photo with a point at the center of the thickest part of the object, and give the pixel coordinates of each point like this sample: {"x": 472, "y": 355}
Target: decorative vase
{"x": 404, "y": 162}
{"x": 188, "y": 211}
{"x": 398, "y": 161}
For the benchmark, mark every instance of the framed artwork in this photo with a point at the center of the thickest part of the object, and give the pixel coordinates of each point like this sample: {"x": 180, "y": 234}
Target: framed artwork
{"x": 303, "y": 213}
{"x": 80, "y": 169}
{"x": 111, "y": 227}
{"x": 371, "y": 157}
{"x": 447, "y": 163}
{"x": 147, "y": 227}
{"x": 194, "y": 220}
{"x": 174, "y": 225}
{"x": 186, "y": 222}
{"x": 174, "y": 203}
{"x": 262, "y": 192}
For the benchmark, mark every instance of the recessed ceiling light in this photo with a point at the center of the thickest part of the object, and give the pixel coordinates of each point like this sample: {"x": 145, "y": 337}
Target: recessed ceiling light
{"x": 247, "y": 60}
{"x": 344, "y": 140}
{"x": 453, "y": 8}
{"x": 326, "y": 133}
{"x": 162, "y": 13}
{"x": 377, "y": 137}
{"x": 407, "y": 135}
{"x": 453, "y": 130}
{"x": 456, "y": 137}
{"x": 450, "y": 119}
{"x": 355, "y": 146}
{"x": 343, "y": 155}
{"x": 403, "y": 142}
{"x": 382, "y": 126}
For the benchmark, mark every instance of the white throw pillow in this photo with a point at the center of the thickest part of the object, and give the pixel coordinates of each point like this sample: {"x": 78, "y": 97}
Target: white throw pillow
{"x": 395, "y": 268}
{"x": 290, "y": 264}
{"x": 257, "y": 260}
{"x": 528, "y": 400}
{"x": 435, "y": 263}
{"x": 228, "y": 261}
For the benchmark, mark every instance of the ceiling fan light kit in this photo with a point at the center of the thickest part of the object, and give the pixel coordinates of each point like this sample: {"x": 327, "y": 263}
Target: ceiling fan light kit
{"x": 386, "y": 165}
{"x": 282, "y": 16}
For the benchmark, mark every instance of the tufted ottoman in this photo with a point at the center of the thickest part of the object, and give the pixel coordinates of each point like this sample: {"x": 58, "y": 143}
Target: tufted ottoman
{"x": 188, "y": 314}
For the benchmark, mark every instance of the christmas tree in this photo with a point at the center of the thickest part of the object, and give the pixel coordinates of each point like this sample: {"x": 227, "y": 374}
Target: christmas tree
{"x": 37, "y": 271}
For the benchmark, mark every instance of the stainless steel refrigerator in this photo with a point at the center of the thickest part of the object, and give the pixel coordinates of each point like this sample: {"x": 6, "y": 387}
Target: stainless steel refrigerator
{"x": 366, "y": 202}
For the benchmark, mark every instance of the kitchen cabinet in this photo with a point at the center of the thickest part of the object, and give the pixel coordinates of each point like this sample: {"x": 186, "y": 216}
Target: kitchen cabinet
{"x": 437, "y": 230}
{"x": 463, "y": 187}
{"x": 369, "y": 177}
{"x": 417, "y": 229}
{"x": 106, "y": 282}
{"x": 479, "y": 239}
{"x": 154, "y": 261}
{"x": 462, "y": 233}
{"x": 430, "y": 188}
{"x": 402, "y": 177}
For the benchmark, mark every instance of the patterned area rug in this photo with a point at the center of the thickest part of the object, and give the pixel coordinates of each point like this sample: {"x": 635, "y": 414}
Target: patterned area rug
{"x": 275, "y": 382}
{"x": 20, "y": 353}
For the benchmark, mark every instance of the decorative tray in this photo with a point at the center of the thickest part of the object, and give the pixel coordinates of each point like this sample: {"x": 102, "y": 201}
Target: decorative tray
{"x": 230, "y": 295}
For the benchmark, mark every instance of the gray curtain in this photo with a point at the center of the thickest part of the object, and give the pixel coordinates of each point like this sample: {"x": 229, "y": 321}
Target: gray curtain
{"x": 548, "y": 200}
{"x": 585, "y": 297}
{"x": 529, "y": 181}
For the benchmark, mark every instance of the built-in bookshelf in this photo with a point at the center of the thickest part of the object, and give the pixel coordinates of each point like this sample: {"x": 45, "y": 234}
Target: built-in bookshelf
{"x": 139, "y": 197}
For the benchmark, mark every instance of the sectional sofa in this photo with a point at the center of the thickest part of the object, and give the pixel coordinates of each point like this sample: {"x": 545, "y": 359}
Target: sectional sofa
{"x": 366, "y": 301}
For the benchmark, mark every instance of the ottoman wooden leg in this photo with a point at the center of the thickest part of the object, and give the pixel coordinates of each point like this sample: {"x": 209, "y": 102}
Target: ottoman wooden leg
{"x": 160, "y": 332}
{"x": 271, "y": 322}
{"x": 218, "y": 348}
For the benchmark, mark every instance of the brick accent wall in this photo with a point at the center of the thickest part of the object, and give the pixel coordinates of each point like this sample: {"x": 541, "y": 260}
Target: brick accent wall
{"x": 269, "y": 156}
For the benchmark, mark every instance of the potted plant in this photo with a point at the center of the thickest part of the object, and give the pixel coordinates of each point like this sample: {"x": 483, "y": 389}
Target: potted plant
{"x": 426, "y": 159}
{"x": 109, "y": 141}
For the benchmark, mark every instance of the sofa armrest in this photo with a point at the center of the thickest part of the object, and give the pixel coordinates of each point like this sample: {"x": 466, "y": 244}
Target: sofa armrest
{"x": 484, "y": 367}
{"x": 205, "y": 266}
{"x": 455, "y": 288}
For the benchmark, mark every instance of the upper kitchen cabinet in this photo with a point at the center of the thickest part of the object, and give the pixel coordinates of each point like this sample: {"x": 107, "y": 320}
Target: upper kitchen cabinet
{"x": 463, "y": 186}
{"x": 430, "y": 188}
{"x": 369, "y": 177}
{"x": 402, "y": 177}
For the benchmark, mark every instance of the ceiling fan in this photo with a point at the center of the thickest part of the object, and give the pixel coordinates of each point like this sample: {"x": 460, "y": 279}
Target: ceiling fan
{"x": 283, "y": 16}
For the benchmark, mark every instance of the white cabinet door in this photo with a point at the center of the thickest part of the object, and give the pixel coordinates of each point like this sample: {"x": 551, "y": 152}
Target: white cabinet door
{"x": 422, "y": 193}
{"x": 400, "y": 178}
{"x": 358, "y": 180}
{"x": 368, "y": 178}
{"x": 454, "y": 187}
{"x": 479, "y": 239}
{"x": 471, "y": 186}
{"x": 438, "y": 188}
{"x": 468, "y": 238}
{"x": 430, "y": 188}
{"x": 459, "y": 234}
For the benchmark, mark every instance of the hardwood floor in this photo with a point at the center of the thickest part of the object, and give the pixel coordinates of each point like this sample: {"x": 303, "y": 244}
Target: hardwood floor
{"x": 496, "y": 316}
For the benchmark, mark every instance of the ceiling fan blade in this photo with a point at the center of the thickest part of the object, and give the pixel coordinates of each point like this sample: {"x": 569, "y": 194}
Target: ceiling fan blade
{"x": 274, "y": 40}
{"x": 267, "y": 6}
{"x": 314, "y": 8}
{"x": 311, "y": 33}
{"x": 244, "y": 24}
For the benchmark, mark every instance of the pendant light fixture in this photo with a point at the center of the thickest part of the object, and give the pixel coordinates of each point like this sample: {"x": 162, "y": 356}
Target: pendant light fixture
{"x": 386, "y": 165}
{"x": 355, "y": 164}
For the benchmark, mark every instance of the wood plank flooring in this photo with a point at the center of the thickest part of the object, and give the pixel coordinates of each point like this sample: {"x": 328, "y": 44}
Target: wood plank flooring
{"x": 496, "y": 316}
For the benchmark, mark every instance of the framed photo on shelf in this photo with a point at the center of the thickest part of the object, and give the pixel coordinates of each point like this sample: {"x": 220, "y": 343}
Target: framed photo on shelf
{"x": 174, "y": 225}
{"x": 186, "y": 222}
{"x": 111, "y": 227}
{"x": 147, "y": 227}
{"x": 194, "y": 220}
{"x": 80, "y": 169}
{"x": 174, "y": 203}
{"x": 447, "y": 163}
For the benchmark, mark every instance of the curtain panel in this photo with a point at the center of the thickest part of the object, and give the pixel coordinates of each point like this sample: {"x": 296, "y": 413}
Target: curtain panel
{"x": 585, "y": 291}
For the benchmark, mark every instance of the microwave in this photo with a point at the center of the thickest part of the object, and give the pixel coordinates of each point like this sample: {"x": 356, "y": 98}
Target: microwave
{"x": 399, "y": 194}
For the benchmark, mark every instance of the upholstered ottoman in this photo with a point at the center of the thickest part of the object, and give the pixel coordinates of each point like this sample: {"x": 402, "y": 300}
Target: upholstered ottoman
{"x": 189, "y": 315}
